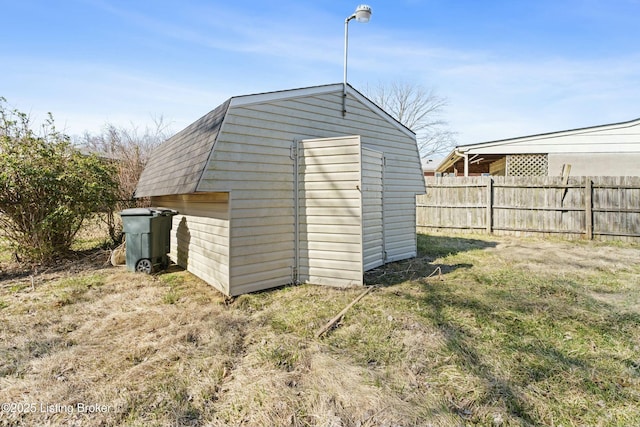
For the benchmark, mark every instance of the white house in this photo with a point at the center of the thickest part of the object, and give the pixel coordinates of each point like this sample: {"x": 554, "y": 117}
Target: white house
{"x": 607, "y": 150}
{"x": 282, "y": 187}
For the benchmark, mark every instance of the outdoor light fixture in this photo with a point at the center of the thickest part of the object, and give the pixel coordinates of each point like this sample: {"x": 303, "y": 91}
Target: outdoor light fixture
{"x": 362, "y": 14}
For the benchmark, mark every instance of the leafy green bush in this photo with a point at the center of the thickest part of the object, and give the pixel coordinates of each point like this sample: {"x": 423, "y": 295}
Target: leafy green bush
{"x": 47, "y": 187}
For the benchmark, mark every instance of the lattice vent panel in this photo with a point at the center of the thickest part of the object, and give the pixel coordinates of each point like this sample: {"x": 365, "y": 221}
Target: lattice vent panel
{"x": 527, "y": 165}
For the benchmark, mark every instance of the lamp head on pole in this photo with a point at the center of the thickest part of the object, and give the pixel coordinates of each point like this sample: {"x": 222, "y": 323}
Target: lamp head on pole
{"x": 363, "y": 13}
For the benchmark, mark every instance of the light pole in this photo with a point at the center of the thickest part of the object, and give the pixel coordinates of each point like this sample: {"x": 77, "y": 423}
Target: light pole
{"x": 362, "y": 14}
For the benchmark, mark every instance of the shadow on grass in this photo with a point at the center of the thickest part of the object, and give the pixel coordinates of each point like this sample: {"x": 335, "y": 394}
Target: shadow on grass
{"x": 430, "y": 248}
{"x": 525, "y": 335}
{"x": 459, "y": 340}
{"x": 515, "y": 332}
{"x": 171, "y": 268}
{"x": 435, "y": 246}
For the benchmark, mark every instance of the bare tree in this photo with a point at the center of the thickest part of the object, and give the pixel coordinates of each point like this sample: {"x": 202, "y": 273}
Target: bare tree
{"x": 129, "y": 150}
{"x": 420, "y": 110}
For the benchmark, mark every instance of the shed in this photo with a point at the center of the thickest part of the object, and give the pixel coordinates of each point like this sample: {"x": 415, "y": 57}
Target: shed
{"x": 283, "y": 187}
{"x": 605, "y": 150}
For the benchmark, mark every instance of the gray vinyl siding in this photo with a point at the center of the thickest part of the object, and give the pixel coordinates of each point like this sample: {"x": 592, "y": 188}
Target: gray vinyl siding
{"x": 252, "y": 160}
{"x": 399, "y": 212}
{"x": 372, "y": 186}
{"x": 200, "y": 235}
{"x": 231, "y": 175}
{"x": 401, "y": 184}
{"x": 254, "y": 164}
{"x": 330, "y": 212}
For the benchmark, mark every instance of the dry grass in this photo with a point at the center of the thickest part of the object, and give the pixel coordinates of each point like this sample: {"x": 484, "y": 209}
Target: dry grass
{"x": 514, "y": 332}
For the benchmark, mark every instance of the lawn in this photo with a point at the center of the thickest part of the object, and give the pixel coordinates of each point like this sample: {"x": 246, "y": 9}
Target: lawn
{"x": 478, "y": 330}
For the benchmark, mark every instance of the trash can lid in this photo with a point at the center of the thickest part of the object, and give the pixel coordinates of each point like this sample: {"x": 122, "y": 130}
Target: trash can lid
{"x": 163, "y": 211}
{"x": 136, "y": 212}
{"x": 148, "y": 212}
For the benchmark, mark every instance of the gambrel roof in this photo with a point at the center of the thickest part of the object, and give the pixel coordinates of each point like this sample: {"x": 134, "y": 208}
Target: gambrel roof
{"x": 177, "y": 166}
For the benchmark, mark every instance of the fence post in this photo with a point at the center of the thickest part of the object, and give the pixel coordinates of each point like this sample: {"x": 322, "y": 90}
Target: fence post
{"x": 588, "y": 208}
{"x": 489, "y": 218}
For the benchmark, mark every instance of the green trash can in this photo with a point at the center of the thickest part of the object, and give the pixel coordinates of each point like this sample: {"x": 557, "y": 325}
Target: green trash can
{"x": 148, "y": 236}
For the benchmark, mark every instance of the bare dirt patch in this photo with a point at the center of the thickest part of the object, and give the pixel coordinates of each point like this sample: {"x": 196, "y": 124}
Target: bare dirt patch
{"x": 549, "y": 255}
{"x": 607, "y": 271}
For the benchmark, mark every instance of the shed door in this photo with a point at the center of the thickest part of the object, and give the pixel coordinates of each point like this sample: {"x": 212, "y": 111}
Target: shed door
{"x": 329, "y": 211}
{"x": 372, "y": 208}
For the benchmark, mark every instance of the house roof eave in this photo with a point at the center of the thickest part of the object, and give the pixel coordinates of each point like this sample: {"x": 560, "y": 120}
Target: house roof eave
{"x": 451, "y": 158}
{"x": 547, "y": 135}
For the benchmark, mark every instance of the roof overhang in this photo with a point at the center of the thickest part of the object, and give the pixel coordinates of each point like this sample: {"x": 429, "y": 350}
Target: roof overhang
{"x": 451, "y": 159}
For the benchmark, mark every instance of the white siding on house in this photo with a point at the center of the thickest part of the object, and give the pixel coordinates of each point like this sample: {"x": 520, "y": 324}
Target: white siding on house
{"x": 615, "y": 138}
{"x": 606, "y": 150}
{"x": 602, "y": 164}
{"x": 200, "y": 235}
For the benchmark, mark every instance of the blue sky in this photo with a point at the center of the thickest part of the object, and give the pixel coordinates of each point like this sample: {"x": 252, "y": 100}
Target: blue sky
{"x": 508, "y": 68}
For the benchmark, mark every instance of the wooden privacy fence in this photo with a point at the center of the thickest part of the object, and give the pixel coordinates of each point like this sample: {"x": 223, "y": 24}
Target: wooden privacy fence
{"x": 604, "y": 208}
